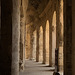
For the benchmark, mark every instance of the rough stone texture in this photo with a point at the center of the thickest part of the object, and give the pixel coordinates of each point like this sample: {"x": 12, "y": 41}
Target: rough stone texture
{"x": 43, "y": 48}
{"x": 15, "y": 37}
{"x": 6, "y": 37}
{"x": 37, "y": 14}
{"x": 23, "y": 9}
{"x": 22, "y": 35}
{"x": 59, "y": 32}
{"x": 29, "y": 42}
{"x": 53, "y": 38}
{"x": 53, "y": 13}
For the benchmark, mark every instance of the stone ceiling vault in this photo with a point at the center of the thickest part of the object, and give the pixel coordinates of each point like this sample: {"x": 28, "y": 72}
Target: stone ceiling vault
{"x": 35, "y": 8}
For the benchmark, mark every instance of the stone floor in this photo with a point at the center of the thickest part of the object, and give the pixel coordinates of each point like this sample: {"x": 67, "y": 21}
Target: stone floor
{"x": 35, "y": 68}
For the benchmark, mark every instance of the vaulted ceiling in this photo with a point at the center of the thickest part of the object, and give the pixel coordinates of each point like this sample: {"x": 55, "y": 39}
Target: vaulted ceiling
{"x": 35, "y": 8}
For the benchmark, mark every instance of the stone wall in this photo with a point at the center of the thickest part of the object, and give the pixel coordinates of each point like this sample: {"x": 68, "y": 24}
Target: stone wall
{"x": 45, "y": 47}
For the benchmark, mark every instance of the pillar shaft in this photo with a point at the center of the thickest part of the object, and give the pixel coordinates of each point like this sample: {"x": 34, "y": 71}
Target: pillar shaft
{"x": 34, "y": 45}
{"x": 59, "y": 23}
{"x": 44, "y": 45}
{"x": 41, "y": 44}
{"x": 22, "y": 31}
{"x": 50, "y": 44}
{"x": 27, "y": 51}
{"x": 31, "y": 44}
{"x": 15, "y": 37}
{"x": 37, "y": 47}
{"x": 59, "y": 32}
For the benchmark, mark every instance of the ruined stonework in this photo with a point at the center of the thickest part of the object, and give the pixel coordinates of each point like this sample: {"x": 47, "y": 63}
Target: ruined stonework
{"x": 33, "y": 29}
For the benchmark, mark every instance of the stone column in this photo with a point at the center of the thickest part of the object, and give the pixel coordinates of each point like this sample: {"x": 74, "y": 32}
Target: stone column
{"x": 22, "y": 26}
{"x": 53, "y": 37}
{"x": 37, "y": 45}
{"x": 44, "y": 45}
{"x": 50, "y": 43}
{"x": 31, "y": 43}
{"x": 47, "y": 41}
{"x": 27, "y": 51}
{"x": 61, "y": 36}
{"x": 59, "y": 32}
{"x": 41, "y": 44}
{"x": 34, "y": 44}
{"x": 68, "y": 37}
{"x": 15, "y": 37}
{"x": 23, "y": 8}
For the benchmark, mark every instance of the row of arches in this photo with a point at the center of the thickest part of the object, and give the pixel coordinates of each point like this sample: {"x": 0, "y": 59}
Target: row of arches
{"x": 39, "y": 48}
{"x": 10, "y": 30}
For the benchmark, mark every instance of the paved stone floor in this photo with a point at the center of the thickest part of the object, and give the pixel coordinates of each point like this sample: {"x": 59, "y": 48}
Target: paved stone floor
{"x": 35, "y": 68}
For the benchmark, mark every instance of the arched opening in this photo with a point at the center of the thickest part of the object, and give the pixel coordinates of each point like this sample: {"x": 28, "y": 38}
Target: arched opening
{"x": 38, "y": 11}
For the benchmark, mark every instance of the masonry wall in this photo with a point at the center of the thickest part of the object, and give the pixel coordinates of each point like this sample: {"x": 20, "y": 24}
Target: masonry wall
{"x": 51, "y": 13}
{"x": 58, "y": 28}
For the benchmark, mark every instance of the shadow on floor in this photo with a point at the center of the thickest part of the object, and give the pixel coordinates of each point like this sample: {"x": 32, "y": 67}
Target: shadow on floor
{"x": 35, "y": 68}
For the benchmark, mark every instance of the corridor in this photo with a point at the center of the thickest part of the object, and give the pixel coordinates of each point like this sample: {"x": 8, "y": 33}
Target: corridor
{"x": 40, "y": 30}
{"x": 36, "y": 68}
